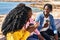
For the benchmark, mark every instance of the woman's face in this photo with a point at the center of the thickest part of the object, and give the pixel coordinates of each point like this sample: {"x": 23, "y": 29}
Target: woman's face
{"x": 30, "y": 13}
{"x": 47, "y": 10}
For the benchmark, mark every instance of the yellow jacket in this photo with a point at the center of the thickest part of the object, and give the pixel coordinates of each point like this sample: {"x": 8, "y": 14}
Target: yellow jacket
{"x": 18, "y": 35}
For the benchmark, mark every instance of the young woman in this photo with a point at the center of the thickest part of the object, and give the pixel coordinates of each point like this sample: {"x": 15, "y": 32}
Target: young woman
{"x": 47, "y": 26}
{"x": 13, "y": 26}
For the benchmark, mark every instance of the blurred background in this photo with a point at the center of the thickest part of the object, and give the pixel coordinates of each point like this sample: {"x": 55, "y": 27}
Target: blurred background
{"x": 37, "y": 6}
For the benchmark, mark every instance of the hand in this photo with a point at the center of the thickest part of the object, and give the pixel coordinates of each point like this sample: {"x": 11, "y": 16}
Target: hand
{"x": 46, "y": 25}
{"x": 31, "y": 28}
{"x": 56, "y": 37}
{"x": 40, "y": 37}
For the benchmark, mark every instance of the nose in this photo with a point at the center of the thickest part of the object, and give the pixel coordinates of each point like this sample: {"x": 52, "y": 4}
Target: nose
{"x": 46, "y": 10}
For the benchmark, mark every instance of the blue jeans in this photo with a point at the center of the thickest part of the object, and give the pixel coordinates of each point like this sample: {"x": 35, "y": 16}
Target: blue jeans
{"x": 33, "y": 37}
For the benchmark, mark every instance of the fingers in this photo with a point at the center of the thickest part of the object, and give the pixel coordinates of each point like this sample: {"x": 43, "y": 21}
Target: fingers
{"x": 31, "y": 28}
{"x": 36, "y": 24}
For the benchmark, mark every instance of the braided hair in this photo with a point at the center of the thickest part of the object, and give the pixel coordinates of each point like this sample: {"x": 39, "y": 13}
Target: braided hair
{"x": 16, "y": 19}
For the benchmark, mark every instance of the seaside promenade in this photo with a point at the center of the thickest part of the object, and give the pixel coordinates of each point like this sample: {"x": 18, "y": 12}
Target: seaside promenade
{"x": 39, "y": 4}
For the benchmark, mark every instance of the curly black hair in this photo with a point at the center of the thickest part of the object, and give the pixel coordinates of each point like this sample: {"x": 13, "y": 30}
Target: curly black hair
{"x": 16, "y": 19}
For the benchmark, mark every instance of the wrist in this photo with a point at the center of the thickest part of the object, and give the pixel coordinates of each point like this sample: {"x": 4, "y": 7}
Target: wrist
{"x": 55, "y": 31}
